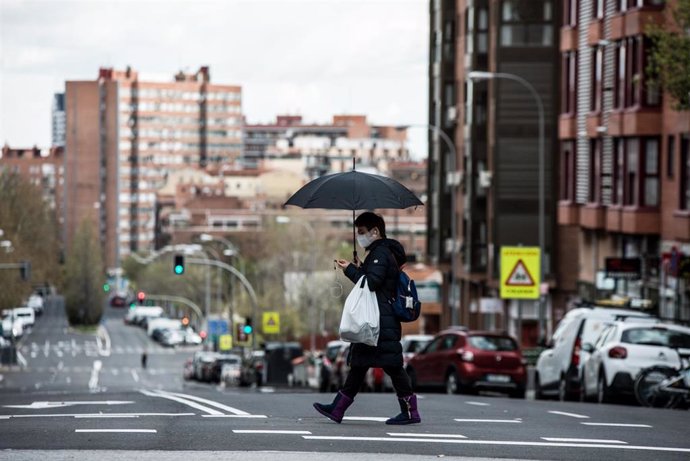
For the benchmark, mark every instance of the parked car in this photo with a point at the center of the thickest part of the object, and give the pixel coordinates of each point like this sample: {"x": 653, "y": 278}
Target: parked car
{"x": 253, "y": 369}
{"x": 171, "y": 338}
{"x": 35, "y": 302}
{"x": 26, "y": 315}
{"x": 191, "y": 337}
{"x": 462, "y": 360}
{"x": 12, "y": 326}
{"x": 136, "y": 315}
{"x": 329, "y": 378}
{"x": 230, "y": 369}
{"x": 118, "y": 301}
{"x": 558, "y": 371}
{"x": 625, "y": 348}
{"x": 412, "y": 344}
{"x": 188, "y": 370}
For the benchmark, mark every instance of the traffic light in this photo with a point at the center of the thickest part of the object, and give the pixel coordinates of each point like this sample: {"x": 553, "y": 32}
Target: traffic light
{"x": 178, "y": 266}
{"x": 248, "y": 329}
{"x": 241, "y": 334}
{"x": 106, "y": 287}
{"x": 185, "y": 321}
{"x": 141, "y": 296}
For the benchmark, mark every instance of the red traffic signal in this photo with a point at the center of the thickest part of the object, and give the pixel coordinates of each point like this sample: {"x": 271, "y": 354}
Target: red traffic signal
{"x": 141, "y": 296}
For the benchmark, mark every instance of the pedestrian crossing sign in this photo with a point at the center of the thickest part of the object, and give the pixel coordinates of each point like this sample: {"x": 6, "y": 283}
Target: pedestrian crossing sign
{"x": 225, "y": 342}
{"x": 520, "y": 272}
{"x": 271, "y": 322}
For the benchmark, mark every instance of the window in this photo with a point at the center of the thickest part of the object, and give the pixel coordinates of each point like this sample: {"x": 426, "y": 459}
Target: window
{"x": 598, "y": 9}
{"x": 685, "y": 171}
{"x": 617, "y": 179}
{"x": 524, "y": 26}
{"x": 594, "y": 168}
{"x": 570, "y": 13}
{"x": 568, "y": 171}
{"x": 569, "y": 83}
{"x": 670, "y": 155}
{"x": 636, "y": 172}
{"x": 597, "y": 71}
{"x": 619, "y": 81}
{"x": 631, "y": 165}
{"x": 631, "y": 88}
{"x": 651, "y": 172}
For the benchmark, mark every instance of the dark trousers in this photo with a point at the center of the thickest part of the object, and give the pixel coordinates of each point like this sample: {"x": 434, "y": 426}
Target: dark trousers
{"x": 356, "y": 376}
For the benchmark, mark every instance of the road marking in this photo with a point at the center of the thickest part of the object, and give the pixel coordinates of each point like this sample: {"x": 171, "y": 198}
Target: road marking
{"x": 574, "y": 415}
{"x": 44, "y": 405}
{"x": 135, "y": 375}
{"x": 496, "y": 442}
{"x": 105, "y": 415}
{"x": 103, "y": 341}
{"x": 95, "y": 415}
{"x": 212, "y": 403}
{"x": 616, "y": 424}
{"x": 479, "y": 404}
{"x": 365, "y": 418}
{"x": 145, "y": 431}
{"x": 248, "y": 431}
{"x": 516, "y": 421}
{"x": 21, "y": 360}
{"x": 559, "y": 439}
{"x": 234, "y": 416}
{"x": 448, "y": 436}
{"x": 190, "y": 403}
{"x": 93, "y": 381}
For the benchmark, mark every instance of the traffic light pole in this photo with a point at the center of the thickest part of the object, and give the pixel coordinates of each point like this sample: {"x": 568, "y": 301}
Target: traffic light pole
{"x": 181, "y": 300}
{"x": 24, "y": 267}
{"x": 243, "y": 280}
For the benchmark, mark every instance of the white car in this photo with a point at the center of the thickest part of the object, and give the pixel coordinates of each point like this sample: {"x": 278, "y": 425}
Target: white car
{"x": 12, "y": 326}
{"x": 26, "y": 315}
{"x": 558, "y": 371}
{"x": 36, "y": 303}
{"x": 625, "y": 348}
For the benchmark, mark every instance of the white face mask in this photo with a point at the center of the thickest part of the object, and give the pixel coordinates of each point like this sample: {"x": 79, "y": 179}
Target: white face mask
{"x": 365, "y": 240}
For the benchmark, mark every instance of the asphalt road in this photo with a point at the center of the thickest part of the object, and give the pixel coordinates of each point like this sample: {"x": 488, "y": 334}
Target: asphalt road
{"x": 47, "y": 410}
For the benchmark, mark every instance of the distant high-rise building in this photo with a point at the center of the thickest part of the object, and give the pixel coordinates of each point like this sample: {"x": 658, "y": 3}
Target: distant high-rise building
{"x": 124, "y": 135}
{"x": 58, "y": 120}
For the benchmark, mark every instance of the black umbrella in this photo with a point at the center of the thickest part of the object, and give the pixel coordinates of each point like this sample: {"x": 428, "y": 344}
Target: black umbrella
{"x": 353, "y": 190}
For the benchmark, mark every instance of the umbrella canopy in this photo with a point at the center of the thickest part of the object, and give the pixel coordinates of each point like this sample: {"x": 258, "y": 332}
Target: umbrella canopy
{"x": 353, "y": 191}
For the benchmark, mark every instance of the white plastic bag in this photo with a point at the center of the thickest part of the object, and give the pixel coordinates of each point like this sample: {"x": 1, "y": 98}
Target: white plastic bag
{"x": 360, "y": 320}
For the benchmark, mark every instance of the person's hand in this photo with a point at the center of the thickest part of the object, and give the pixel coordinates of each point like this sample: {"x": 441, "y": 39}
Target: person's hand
{"x": 342, "y": 263}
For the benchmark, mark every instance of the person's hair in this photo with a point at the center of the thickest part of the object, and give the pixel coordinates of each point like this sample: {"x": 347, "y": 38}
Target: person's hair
{"x": 371, "y": 220}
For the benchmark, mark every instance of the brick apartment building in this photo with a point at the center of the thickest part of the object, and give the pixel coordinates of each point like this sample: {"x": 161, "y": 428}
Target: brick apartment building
{"x": 125, "y": 135}
{"x": 483, "y": 191}
{"x": 624, "y": 156}
{"x": 42, "y": 168}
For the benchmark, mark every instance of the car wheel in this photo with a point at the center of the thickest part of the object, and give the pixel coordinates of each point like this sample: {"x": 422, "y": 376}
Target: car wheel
{"x": 413, "y": 378}
{"x": 538, "y": 392}
{"x": 603, "y": 392}
{"x": 452, "y": 383}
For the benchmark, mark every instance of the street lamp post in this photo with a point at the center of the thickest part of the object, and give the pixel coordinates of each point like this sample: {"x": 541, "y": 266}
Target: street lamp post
{"x": 451, "y": 180}
{"x": 482, "y": 75}
{"x": 231, "y": 250}
{"x": 312, "y": 234}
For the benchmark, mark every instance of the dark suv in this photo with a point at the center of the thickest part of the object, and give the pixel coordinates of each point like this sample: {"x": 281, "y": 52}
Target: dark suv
{"x": 468, "y": 361}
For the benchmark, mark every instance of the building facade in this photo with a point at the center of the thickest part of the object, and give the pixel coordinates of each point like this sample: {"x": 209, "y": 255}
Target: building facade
{"x": 624, "y": 156}
{"x": 483, "y": 180}
{"x": 58, "y": 120}
{"x": 125, "y": 136}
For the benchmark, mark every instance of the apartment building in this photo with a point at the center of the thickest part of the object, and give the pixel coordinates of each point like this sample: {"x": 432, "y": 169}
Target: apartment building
{"x": 318, "y": 149}
{"x": 624, "y": 152}
{"x": 41, "y": 167}
{"x": 58, "y": 120}
{"x": 483, "y": 181}
{"x": 125, "y": 135}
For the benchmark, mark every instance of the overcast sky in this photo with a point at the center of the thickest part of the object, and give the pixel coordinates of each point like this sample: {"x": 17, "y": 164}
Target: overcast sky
{"x": 314, "y": 58}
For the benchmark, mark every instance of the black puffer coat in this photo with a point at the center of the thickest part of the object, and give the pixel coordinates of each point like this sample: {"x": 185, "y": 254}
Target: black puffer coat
{"x": 381, "y": 267}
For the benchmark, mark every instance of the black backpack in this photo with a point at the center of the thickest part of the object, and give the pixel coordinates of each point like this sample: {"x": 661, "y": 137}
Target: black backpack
{"x": 406, "y": 304}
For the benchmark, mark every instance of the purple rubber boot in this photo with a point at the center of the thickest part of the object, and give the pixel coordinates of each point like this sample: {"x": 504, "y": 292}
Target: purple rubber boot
{"x": 408, "y": 411}
{"x": 335, "y": 410}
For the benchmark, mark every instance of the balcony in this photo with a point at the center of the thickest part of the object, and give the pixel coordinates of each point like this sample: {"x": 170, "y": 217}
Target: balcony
{"x": 595, "y": 32}
{"x": 567, "y": 127}
{"x": 636, "y": 220}
{"x": 613, "y": 218}
{"x": 568, "y": 38}
{"x": 568, "y": 213}
{"x": 593, "y": 123}
{"x": 593, "y": 216}
{"x": 635, "y": 21}
{"x": 635, "y": 122}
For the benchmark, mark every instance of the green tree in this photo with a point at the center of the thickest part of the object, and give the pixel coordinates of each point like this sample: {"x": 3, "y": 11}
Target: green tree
{"x": 669, "y": 58}
{"x": 84, "y": 275}
{"x": 30, "y": 225}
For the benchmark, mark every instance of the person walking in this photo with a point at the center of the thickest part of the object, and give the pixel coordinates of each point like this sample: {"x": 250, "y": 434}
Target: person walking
{"x": 381, "y": 266}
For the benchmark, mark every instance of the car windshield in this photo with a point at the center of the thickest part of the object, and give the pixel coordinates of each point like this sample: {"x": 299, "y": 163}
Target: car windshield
{"x": 492, "y": 343}
{"x": 656, "y": 337}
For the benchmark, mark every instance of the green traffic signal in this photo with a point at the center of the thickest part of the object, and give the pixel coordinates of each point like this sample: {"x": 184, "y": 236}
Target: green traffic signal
{"x": 247, "y": 329}
{"x": 178, "y": 265}
{"x": 106, "y": 287}
{"x": 179, "y": 270}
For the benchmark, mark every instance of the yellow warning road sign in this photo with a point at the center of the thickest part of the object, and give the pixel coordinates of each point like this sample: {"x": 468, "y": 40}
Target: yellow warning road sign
{"x": 225, "y": 342}
{"x": 271, "y": 322}
{"x": 520, "y": 272}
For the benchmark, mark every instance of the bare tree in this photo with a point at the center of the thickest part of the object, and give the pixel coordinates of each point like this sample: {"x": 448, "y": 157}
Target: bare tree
{"x": 84, "y": 275}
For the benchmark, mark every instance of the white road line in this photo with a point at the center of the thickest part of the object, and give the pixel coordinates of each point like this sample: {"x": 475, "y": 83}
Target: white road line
{"x": 497, "y": 442}
{"x": 135, "y": 375}
{"x": 145, "y": 431}
{"x": 560, "y": 439}
{"x": 97, "y": 415}
{"x": 447, "y": 436}
{"x": 365, "y": 418}
{"x": 21, "y": 360}
{"x": 574, "y": 415}
{"x": 212, "y": 403}
{"x": 105, "y": 415}
{"x": 190, "y": 403}
{"x": 479, "y": 404}
{"x": 516, "y": 421}
{"x": 93, "y": 382}
{"x": 616, "y": 424}
{"x": 248, "y": 431}
{"x": 234, "y": 416}
{"x": 104, "y": 343}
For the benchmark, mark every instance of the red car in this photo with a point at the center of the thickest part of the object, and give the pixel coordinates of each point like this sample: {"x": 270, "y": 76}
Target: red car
{"x": 468, "y": 361}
